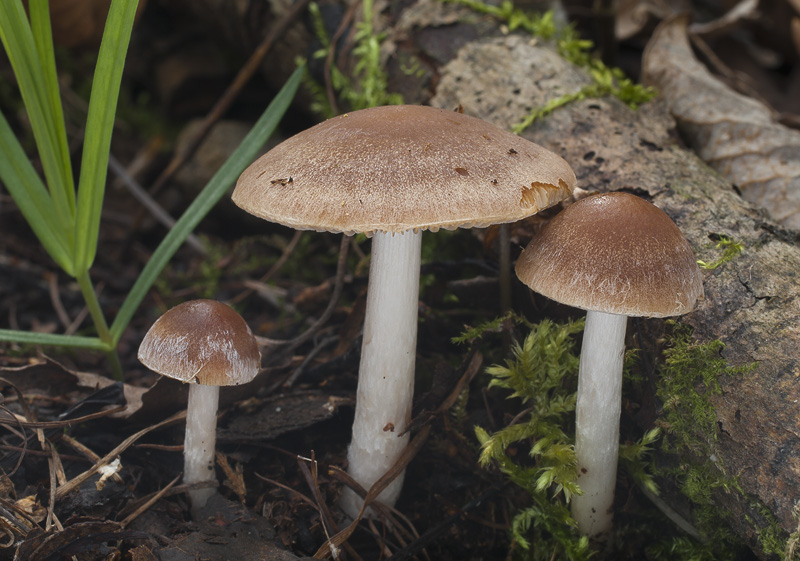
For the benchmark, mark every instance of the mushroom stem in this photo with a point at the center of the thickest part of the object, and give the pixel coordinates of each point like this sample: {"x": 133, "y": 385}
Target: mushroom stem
{"x": 201, "y": 436}
{"x": 597, "y": 420}
{"x": 386, "y": 373}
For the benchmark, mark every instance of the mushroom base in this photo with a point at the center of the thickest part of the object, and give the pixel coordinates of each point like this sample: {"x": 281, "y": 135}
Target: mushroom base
{"x": 597, "y": 415}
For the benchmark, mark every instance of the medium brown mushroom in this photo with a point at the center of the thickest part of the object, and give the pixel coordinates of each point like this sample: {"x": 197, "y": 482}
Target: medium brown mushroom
{"x": 391, "y": 172}
{"x": 208, "y": 344}
{"x": 614, "y": 255}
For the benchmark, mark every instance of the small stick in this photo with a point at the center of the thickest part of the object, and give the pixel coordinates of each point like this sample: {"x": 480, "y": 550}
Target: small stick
{"x": 222, "y": 105}
{"x": 287, "y": 252}
{"x": 150, "y": 502}
{"x": 86, "y": 451}
{"x": 80, "y": 479}
{"x": 292, "y": 344}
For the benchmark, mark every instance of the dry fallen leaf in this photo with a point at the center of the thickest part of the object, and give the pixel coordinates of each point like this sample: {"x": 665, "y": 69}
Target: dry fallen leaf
{"x": 735, "y": 134}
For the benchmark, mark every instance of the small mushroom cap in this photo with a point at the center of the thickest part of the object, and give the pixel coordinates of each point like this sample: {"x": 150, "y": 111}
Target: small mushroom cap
{"x": 614, "y": 253}
{"x": 398, "y": 168}
{"x": 202, "y": 341}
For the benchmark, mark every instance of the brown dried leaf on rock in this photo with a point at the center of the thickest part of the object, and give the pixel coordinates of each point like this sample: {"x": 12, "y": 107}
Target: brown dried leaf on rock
{"x": 635, "y": 17}
{"x": 736, "y": 135}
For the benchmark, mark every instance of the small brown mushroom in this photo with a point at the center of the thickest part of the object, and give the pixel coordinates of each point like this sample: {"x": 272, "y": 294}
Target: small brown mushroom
{"x": 205, "y": 343}
{"x": 614, "y": 255}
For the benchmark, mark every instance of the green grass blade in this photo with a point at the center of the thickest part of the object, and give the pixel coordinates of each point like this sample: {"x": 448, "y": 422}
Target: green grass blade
{"x": 99, "y": 127}
{"x": 22, "y": 51}
{"x": 43, "y": 39}
{"x": 208, "y": 197}
{"x": 53, "y": 339}
{"x": 31, "y": 196}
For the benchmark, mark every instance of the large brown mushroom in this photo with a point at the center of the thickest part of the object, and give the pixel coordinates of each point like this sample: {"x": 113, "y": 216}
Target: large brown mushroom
{"x": 614, "y": 255}
{"x": 207, "y": 344}
{"x": 391, "y": 172}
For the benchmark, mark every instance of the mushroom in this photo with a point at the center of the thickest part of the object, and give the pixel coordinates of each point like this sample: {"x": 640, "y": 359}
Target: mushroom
{"x": 391, "y": 172}
{"x": 614, "y": 255}
{"x": 207, "y": 343}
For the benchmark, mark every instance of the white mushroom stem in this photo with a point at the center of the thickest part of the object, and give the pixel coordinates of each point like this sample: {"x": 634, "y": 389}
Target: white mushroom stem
{"x": 201, "y": 438}
{"x": 386, "y": 373}
{"x": 597, "y": 420}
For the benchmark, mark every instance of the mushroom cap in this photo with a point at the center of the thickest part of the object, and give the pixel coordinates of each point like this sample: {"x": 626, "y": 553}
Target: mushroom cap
{"x": 202, "y": 341}
{"x": 402, "y": 167}
{"x": 613, "y": 253}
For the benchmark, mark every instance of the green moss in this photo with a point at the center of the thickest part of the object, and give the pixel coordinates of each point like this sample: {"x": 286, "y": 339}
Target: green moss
{"x": 367, "y": 87}
{"x": 606, "y": 81}
{"x": 688, "y": 379}
{"x": 771, "y": 536}
{"x": 495, "y": 325}
{"x": 535, "y": 451}
{"x": 730, "y": 249}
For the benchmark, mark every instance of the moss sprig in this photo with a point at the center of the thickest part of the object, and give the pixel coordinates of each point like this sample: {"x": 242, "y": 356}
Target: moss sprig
{"x": 607, "y": 81}
{"x": 368, "y": 87}
{"x": 731, "y": 249}
{"x": 542, "y": 374}
{"x": 688, "y": 379}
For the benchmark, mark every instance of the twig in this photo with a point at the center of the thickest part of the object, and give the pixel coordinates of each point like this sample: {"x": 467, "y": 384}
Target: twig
{"x": 150, "y": 502}
{"x": 408, "y": 454}
{"x": 346, "y": 20}
{"x": 150, "y": 203}
{"x": 80, "y": 479}
{"x": 88, "y": 453}
{"x": 230, "y": 94}
{"x": 51, "y": 503}
{"x": 312, "y": 481}
{"x": 433, "y": 533}
{"x": 55, "y": 299}
{"x": 60, "y": 424}
{"x": 300, "y": 495}
{"x": 287, "y": 252}
{"x": 309, "y": 357}
{"x": 341, "y": 266}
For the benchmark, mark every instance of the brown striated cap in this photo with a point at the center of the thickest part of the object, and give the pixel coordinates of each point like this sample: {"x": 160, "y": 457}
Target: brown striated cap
{"x": 398, "y": 168}
{"x": 202, "y": 341}
{"x": 614, "y": 253}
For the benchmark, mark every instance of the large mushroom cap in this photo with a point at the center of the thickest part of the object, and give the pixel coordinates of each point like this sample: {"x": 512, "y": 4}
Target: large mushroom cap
{"x": 614, "y": 253}
{"x": 202, "y": 341}
{"x": 397, "y": 168}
